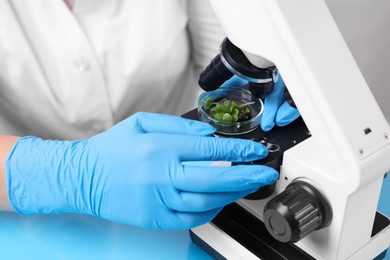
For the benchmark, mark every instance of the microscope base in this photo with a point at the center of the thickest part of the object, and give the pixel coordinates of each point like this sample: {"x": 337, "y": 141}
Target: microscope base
{"x": 236, "y": 234}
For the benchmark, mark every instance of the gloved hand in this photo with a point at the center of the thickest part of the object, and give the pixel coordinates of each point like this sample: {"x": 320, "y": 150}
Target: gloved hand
{"x": 276, "y": 109}
{"x": 133, "y": 173}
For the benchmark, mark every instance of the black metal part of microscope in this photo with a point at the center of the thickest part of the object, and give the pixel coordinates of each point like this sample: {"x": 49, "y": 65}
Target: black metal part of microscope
{"x": 231, "y": 60}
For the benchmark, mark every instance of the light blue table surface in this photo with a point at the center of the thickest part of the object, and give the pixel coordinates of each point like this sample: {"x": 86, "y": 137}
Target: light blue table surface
{"x": 73, "y": 236}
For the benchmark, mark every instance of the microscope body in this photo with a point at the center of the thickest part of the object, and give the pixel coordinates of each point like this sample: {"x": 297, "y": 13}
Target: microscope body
{"x": 348, "y": 152}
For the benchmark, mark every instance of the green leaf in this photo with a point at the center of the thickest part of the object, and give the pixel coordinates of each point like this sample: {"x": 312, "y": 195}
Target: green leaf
{"x": 227, "y": 117}
{"x": 227, "y": 110}
{"x": 208, "y": 102}
{"x": 218, "y": 116}
{"x": 247, "y": 111}
{"x": 235, "y": 112}
{"x": 220, "y": 108}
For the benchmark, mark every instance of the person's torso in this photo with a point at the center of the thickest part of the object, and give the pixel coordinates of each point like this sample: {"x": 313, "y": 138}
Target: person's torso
{"x": 73, "y": 74}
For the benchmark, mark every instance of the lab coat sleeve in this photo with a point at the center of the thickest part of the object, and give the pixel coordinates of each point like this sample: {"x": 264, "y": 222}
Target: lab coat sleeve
{"x": 205, "y": 31}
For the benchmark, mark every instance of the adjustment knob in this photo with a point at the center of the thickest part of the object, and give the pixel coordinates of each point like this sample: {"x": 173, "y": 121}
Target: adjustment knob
{"x": 296, "y": 212}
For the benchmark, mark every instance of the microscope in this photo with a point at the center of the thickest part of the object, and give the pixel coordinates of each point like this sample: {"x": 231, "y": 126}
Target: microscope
{"x": 332, "y": 161}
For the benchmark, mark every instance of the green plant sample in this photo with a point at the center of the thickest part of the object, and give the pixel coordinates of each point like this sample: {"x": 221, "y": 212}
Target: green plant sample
{"x": 227, "y": 111}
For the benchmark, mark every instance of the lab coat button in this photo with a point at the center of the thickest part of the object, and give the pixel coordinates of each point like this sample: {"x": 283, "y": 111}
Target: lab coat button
{"x": 81, "y": 64}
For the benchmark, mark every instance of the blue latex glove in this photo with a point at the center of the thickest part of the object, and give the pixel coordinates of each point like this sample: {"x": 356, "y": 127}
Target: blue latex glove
{"x": 276, "y": 109}
{"x": 133, "y": 173}
{"x": 235, "y": 81}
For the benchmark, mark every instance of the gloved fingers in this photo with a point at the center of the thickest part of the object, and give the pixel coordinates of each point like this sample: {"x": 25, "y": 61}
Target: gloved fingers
{"x": 200, "y": 202}
{"x": 159, "y": 123}
{"x": 206, "y": 148}
{"x": 271, "y": 106}
{"x": 267, "y": 121}
{"x": 286, "y": 114}
{"x": 223, "y": 179}
{"x": 235, "y": 81}
{"x": 187, "y": 220}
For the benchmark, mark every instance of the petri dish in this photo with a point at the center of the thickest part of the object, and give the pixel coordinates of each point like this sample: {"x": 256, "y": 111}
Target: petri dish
{"x": 242, "y": 98}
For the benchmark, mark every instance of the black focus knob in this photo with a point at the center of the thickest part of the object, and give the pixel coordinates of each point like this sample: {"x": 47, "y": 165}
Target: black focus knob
{"x": 296, "y": 212}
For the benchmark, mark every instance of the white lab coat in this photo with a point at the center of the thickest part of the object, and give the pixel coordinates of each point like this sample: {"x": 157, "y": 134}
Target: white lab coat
{"x": 70, "y": 75}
